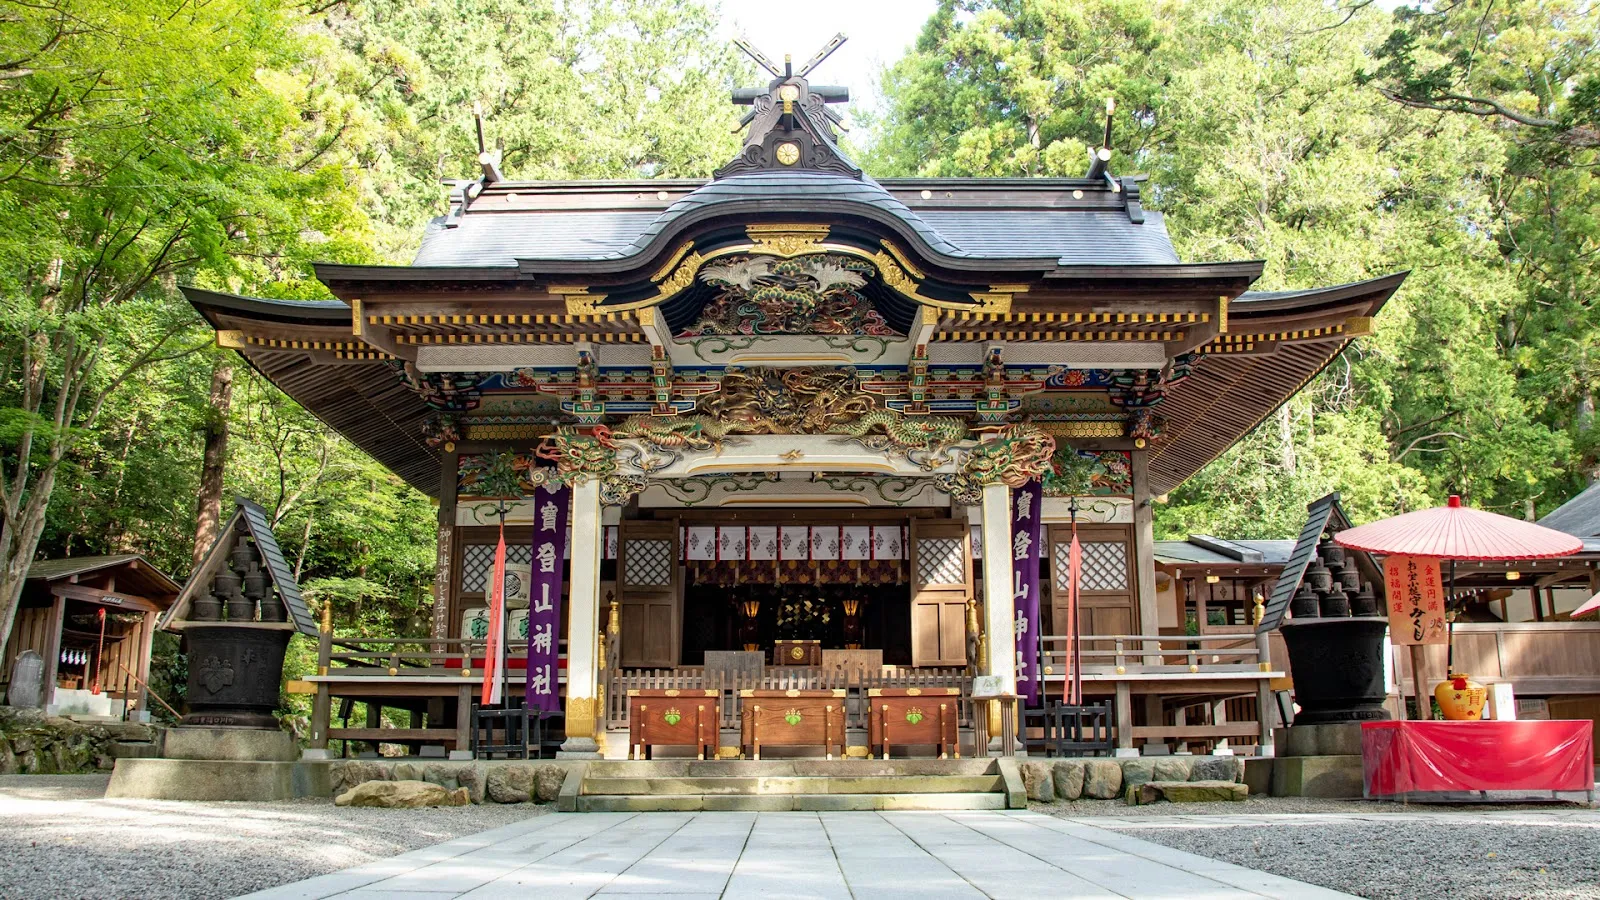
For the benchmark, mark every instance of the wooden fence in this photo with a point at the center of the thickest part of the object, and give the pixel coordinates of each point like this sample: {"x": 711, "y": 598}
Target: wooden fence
{"x": 855, "y": 682}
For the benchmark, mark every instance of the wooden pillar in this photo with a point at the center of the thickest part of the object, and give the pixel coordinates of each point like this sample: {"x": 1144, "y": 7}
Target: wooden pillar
{"x": 146, "y": 643}
{"x": 464, "y": 719}
{"x": 1266, "y": 709}
{"x": 998, "y": 604}
{"x": 583, "y": 717}
{"x": 443, "y": 589}
{"x": 321, "y": 715}
{"x": 1124, "y": 718}
{"x": 1419, "y": 680}
{"x": 52, "y": 656}
{"x": 1219, "y": 716}
{"x": 1144, "y": 556}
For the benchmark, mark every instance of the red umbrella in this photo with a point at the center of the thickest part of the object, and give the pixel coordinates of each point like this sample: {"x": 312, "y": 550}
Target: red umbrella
{"x": 1457, "y": 532}
{"x": 1454, "y": 531}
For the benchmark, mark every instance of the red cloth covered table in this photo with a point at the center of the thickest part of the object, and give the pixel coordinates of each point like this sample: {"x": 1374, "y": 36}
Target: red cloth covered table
{"x": 1442, "y": 760}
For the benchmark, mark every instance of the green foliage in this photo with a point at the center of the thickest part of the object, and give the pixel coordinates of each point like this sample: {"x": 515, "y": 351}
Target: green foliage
{"x": 1305, "y": 136}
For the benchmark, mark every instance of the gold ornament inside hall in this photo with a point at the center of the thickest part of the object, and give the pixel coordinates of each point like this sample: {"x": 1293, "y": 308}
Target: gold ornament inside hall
{"x": 788, "y": 153}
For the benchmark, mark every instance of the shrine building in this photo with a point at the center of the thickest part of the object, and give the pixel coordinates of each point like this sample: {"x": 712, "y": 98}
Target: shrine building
{"x": 793, "y": 405}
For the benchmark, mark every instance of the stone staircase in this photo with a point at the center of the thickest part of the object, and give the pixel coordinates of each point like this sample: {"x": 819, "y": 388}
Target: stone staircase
{"x": 770, "y": 785}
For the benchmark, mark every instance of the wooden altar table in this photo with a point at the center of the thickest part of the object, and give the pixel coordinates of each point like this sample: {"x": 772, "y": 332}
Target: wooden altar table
{"x": 673, "y": 718}
{"x": 792, "y": 719}
{"x": 914, "y": 716}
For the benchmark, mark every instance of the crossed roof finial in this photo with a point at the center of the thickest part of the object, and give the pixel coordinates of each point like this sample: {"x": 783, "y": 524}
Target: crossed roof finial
{"x": 791, "y": 126}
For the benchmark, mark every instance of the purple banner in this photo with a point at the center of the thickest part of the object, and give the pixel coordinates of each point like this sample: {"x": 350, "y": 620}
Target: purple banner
{"x": 1025, "y": 533}
{"x": 550, "y": 505}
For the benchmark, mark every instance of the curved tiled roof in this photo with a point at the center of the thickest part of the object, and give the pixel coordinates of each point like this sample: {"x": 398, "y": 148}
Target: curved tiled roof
{"x": 1065, "y": 235}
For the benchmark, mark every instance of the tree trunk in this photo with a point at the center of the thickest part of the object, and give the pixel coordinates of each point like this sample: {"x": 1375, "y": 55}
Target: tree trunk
{"x": 208, "y": 509}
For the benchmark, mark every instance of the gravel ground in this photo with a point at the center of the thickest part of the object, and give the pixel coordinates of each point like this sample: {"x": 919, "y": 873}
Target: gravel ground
{"x": 60, "y": 839}
{"x": 1381, "y": 850}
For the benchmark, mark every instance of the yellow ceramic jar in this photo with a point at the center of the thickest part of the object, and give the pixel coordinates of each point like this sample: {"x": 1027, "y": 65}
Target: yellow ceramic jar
{"x": 1460, "y": 698}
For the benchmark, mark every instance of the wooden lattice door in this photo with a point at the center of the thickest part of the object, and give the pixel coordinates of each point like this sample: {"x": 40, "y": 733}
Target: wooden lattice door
{"x": 941, "y": 585}
{"x": 1107, "y": 601}
{"x": 650, "y": 592}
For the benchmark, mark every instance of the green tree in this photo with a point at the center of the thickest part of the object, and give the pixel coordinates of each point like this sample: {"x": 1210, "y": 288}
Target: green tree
{"x": 140, "y": 142}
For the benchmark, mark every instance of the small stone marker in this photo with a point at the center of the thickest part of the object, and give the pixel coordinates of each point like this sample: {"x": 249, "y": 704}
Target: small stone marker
{"x": 1188, "y": 792}
{"x": 27, "y": 681}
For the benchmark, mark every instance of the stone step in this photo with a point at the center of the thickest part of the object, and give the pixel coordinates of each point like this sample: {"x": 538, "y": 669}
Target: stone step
{"x": 778, "y": 784}
{"x": 690, "y": 768}
{"x": 788, "y": 802}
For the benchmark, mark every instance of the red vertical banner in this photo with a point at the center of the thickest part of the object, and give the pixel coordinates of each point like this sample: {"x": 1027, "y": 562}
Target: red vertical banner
{"x": 494, "y": 652}
{"x": 1073, "y": 692}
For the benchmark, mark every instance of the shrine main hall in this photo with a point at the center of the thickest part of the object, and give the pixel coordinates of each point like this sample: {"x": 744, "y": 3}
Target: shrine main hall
{"x": 794, "y": 408}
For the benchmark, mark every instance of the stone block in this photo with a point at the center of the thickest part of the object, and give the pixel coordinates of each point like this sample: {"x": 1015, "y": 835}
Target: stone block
{"x": 1102, "y": 779}
{"x": 408, "y": 771}
{"x": 1317, "y": 776}
{"x": 1329, "y": 739}
{"x": 513, "y": 783}
{"x": 547, "y": 783}
{"x": 1215, "y": 768}
{"x": 401, "y": 795}
{"x": 1036, "y": 780}
{"x": 1068, "y": 777}
{"x": 1016, "y": 791}
{"x": 1258, "y": 774}
{"x": 346, "y": 774}
{"x": 1136, "y": 772}
{"x": 206, "y": 779}
{"x": 1174, "y": 769}
{"x": 1190, "y": 792}
{"x": 134, "y": 750}
{"x": 237, "y": 744}
{"x": 472, "y": 777}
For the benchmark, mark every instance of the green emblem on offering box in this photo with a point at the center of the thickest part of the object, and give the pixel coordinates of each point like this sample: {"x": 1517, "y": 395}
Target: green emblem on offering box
{"x": 792, "y": 717}
{"x": 672, "y": 716}
{"x": 913, "y": 715}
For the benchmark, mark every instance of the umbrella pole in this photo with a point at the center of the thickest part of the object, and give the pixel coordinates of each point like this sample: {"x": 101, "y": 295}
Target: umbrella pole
{"x": 1419, "y": 682}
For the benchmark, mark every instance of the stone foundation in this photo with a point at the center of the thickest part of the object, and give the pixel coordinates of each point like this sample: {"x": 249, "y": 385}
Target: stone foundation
{"x": 1100, "y": 778}
{"x": 32, "y": 743}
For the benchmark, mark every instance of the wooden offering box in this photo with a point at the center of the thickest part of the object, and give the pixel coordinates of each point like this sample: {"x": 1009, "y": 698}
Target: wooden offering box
{"x": 797, "y": 653}
{"x": 792, "y": 719}
{"x": 914, "y": 716}
{"x": 673, "y": 718}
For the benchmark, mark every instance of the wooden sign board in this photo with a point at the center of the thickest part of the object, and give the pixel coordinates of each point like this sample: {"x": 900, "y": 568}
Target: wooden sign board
{"x": 1416, "y": 601}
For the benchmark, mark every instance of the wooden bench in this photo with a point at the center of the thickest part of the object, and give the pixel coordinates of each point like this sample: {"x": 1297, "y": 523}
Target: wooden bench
{"x": 792, "y": 718}
{"x": 673, "y": 718}
{"x": 914, "y": 716}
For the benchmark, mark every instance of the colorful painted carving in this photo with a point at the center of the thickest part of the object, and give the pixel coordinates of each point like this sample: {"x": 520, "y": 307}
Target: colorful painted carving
{"x": 760, "y": 400}
{"x": 804, "y": 295}
{"x": 1083, "y": 473}
{"x": 1016, "y": 455}
{"x": 885, "y": 430}
{"x": 673, "y": 432}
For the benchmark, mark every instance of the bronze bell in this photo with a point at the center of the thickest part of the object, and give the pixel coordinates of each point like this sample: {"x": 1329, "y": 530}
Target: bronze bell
{"x": 1365, "y": 602}
{"x": 1304, "y": 604}
{"x": 1335, "y": 604}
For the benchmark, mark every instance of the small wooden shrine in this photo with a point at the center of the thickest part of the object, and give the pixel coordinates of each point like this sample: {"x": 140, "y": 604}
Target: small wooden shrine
{"x": 792, "y": 403}
{"x": 91, "y": 620}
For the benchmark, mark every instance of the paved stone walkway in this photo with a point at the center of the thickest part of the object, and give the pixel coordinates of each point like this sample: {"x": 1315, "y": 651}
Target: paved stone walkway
{"x": 923, "y": 855}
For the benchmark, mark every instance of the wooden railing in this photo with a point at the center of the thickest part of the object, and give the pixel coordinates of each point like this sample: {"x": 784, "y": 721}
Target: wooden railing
{"x": 1120, "y": 654}
{"x": 1538, "y": 658}
{"x": 855, "y": 682}
{"x": 437, "y": 657}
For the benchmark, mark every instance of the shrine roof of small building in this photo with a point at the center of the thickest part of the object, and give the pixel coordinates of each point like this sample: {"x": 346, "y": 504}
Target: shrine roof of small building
{"x": 1208, "y": 550}
{"x": 1048, "y": 222}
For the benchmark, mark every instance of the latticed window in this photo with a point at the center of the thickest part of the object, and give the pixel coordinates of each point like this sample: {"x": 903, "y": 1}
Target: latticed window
{"x": 648, "y": 562}
{"x": 941, "y": 561}
{"x": 478, "y": 559}
{"x": 1105, "y": 566}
